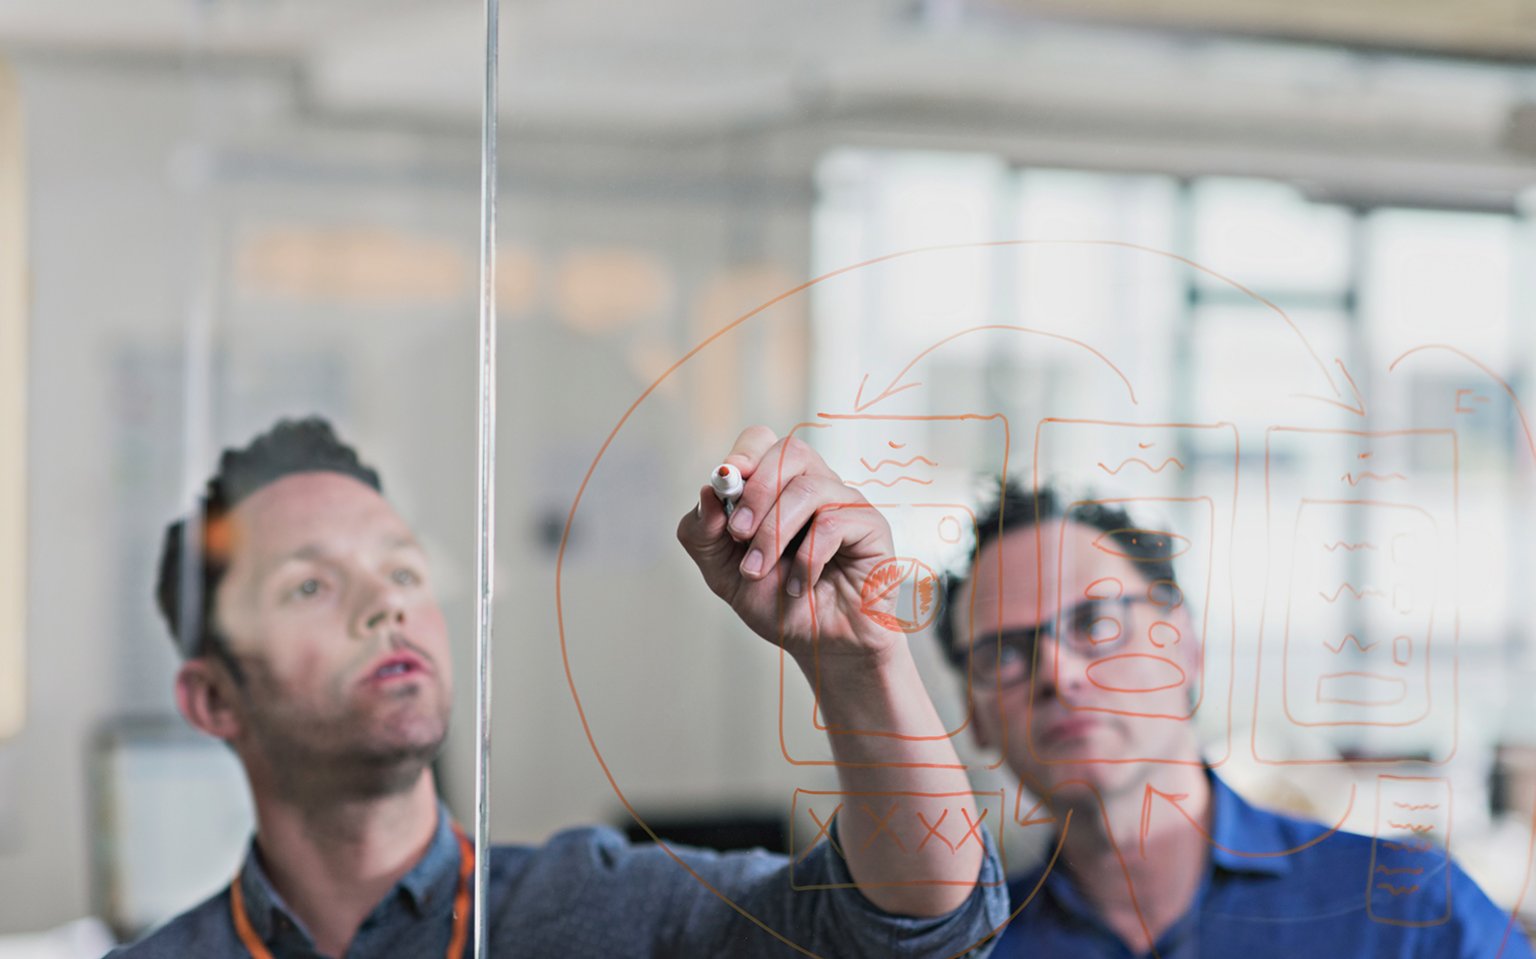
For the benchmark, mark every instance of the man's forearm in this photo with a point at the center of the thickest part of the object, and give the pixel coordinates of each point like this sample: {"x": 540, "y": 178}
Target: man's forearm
{"x": 906, "y": 824}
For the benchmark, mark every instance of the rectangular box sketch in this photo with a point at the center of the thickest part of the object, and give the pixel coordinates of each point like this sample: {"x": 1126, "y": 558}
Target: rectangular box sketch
{"x": 1410, "y": 852}
{"x": 1376, "y": 671}
{"x": 890, "y": 816}
{"x": 897, "y": 464}
{"x": 1359, "y": 626}
{"x": 1141, "y": 468}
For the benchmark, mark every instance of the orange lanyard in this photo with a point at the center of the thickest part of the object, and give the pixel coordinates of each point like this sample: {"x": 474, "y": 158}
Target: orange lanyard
{"x": 258, "y": 949}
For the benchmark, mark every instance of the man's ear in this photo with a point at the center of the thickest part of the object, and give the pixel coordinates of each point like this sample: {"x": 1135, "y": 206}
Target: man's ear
{"x": 205, "y": 695}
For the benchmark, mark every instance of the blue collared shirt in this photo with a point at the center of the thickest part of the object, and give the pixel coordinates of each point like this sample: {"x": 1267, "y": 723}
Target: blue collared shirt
{"x": 1332, "y": 900}
{"x": 589, "y": 892}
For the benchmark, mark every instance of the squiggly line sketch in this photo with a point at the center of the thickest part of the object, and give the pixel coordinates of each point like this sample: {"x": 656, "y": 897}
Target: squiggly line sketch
{"x": 1350, "y": 638}
{"x": 1417, "y": 829}
{"x": 890, "y": 483}
{"x": 1138, "y": 461}
{"x": 876, "y": 467}
{"x": 1355, "y": 479}
{"x": 1357, "y": 593}
{"x": 1350, "y": 547}
{"x": 1424, "y": 845}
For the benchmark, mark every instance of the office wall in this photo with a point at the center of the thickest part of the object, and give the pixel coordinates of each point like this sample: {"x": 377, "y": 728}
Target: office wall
{"x": 160, "y": 204}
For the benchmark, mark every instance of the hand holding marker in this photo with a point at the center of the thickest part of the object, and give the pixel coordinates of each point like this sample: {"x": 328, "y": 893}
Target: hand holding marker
{"x": 727, "y": 483}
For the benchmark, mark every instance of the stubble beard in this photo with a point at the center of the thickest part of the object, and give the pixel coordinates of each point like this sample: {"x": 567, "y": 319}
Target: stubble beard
{"x": 348, "y": 757}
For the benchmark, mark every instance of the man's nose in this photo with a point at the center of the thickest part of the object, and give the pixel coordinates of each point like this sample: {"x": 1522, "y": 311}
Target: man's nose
{"x": 381, "y": 606}
{"x": 395, "y": 615}
{"x": 1058, "y": 668}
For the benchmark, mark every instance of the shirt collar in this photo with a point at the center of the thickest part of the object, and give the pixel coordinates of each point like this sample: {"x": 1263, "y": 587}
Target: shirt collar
{"x": 265, "y": 909}
{"x": 1239, "y": 831}
{"x": 433, "y": 879}
{"x": 436, "y": 875}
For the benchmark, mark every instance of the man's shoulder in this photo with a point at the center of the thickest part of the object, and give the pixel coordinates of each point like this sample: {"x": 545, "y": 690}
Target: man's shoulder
{"x": 595, "y": 850}
{"x": 1406, "y": 882}
{"x": 576, "y": 843}
{"x": 203, "y": 930}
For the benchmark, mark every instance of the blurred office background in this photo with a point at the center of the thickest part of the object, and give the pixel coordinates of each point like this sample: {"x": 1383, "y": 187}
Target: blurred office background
{"x": 215, "y": 213}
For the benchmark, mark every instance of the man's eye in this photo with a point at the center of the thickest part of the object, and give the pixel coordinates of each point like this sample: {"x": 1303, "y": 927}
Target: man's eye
{"x": 1103, "y": 630}
{"x": 1084, "y": 617}
{"x": 306, "y": 589}
{"x": 1096, "y": 622}
{"x": 405, "y": 577}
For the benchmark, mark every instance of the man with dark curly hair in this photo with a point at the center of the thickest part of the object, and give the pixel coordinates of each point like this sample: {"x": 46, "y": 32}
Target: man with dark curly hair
{"x": 314, "y": 646}
{"x": 1083, "y": 668}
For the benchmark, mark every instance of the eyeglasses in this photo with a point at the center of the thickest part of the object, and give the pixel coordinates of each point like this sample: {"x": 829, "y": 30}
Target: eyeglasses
{"x": 1093, "y": 628}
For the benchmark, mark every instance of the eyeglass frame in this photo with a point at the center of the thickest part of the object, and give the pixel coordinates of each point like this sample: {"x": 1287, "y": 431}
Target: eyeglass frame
{"x": 1026, "y": 639}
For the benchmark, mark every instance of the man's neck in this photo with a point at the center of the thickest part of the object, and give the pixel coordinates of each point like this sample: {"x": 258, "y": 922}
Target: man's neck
{"x": 333, "y": 861}
{"x": 1142, "y": 867}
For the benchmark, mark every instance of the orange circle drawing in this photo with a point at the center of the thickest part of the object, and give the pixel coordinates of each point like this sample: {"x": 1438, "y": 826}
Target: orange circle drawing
{"x": 949, "y": 529}
{"x": 900, "y": 594}
{"x": 563, "y": 572}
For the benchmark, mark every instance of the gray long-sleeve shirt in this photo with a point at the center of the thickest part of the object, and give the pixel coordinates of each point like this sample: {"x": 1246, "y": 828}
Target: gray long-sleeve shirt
{"x": 589, "y": 892}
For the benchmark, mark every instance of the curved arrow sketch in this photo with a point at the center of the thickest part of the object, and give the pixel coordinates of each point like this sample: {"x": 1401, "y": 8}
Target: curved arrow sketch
{"x": 1525, "y": 424}
{"x": 1357, "y": 407}
{"x": 896, "y": 386}
{"x": 891, "y": 388}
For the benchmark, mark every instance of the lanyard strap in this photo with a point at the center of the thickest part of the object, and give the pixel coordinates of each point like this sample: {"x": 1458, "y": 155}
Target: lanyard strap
{"x": 258, "y": 949}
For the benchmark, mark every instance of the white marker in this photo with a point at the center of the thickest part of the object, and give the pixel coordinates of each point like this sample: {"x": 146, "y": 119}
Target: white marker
{"x": 727, "y": 483}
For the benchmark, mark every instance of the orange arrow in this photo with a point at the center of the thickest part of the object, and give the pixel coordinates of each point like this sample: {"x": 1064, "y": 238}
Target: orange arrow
{"x": 1357, "y": 407}
{"x": 896, "y": 386}
{"x": 1174, "y": 799}
{"x": 1031, "y": 818}
{"x": 860, "y": 406}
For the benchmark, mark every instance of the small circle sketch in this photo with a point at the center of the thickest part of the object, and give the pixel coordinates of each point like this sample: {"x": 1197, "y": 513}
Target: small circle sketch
{"x": 900, "y": 594}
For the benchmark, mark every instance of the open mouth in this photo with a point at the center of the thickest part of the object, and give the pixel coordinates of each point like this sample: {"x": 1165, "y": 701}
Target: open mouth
{"x": 396, "y": 668}
{"x": 1069, "y": 729}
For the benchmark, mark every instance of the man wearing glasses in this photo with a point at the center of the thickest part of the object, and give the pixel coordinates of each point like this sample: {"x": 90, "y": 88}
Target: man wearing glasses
{"x": 1084, "y": 675}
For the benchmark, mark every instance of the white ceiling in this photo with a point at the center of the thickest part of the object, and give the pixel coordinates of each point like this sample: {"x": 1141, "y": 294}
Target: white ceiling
{"x": 709, "y": 61}
{"x": 1060, "y": 68}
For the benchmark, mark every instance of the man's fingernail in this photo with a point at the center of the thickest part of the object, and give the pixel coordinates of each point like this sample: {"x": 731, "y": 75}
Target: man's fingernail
{"x": 741, "y": 520}
{"x": 794, "y": 588}
{"x": 753, "y": 564}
